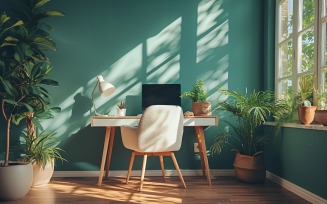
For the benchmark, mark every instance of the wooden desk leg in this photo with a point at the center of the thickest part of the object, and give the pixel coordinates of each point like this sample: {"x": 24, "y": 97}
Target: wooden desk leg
{"x": 203, "y": 151}
{"x": 111, "y": 142}
{"x": 104, "y": 154}
{"x": 201, "y": 158}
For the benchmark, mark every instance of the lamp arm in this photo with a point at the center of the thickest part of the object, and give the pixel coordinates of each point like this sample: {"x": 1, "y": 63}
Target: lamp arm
{"x": 95, "y": 110}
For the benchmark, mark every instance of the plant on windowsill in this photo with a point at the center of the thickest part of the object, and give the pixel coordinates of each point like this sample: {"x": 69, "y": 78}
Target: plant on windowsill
{"x": 321, "y": 111}
{"x": 198, "y": 95}
{"x": 251, "y": 110}
{"x": 306, "y": 111}
{"x": 121, "y": 110}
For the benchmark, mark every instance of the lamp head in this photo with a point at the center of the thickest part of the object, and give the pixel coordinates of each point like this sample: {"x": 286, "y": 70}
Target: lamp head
{"x": 105, "y": 88}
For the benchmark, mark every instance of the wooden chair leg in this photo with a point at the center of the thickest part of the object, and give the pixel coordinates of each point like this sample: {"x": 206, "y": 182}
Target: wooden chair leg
{"x": 162, "y": 167}
{"x": 130, "y": 167}
{"x": 177, "y": 168}
{"x": 143, "y": 171}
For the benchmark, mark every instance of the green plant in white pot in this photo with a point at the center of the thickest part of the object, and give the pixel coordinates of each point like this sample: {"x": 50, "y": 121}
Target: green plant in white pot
{"x": 13, "y": 184}
{"x": 41, "y": 151}
{"x": 198, "y": 95}
{"x": 23, "y": 71}
{"x": 121, "y": 109}
{"x": 250, "y": 110}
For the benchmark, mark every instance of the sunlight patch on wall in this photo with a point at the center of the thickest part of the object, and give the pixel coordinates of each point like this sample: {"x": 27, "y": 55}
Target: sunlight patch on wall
{"x": 216, "y": 38}
{"x": 125, "y": 75}
{"x": 208, "y": 12}
{"x": 163, "y": 55}
{"x": 212, "y": 46}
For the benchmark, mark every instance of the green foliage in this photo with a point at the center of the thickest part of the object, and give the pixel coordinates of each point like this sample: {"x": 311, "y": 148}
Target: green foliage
{"x": 198, "y": 93}
{"x": 251, "y": 110}
{"x": 24, "y": 66}
{"x": 322, "y": 100}
{"x": 42, "y": 149}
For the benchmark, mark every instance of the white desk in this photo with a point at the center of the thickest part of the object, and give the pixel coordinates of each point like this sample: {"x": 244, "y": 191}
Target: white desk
{"x": 111, "y": 122}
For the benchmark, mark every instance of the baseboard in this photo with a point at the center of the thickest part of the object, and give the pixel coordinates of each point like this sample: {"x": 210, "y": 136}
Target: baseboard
{"x": 227, "y": 172}
{"x": 305, "y": 194}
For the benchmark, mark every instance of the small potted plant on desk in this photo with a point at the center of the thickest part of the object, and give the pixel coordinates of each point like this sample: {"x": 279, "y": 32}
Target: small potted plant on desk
{"x": 251, "y": 111}
{"x": 306, "y": 111}
{"x": 121, "y": 110}
{"x": 198, "y": 96}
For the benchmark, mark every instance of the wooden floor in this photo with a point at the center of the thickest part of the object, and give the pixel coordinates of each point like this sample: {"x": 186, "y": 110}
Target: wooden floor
{"x": 114, "y": 190}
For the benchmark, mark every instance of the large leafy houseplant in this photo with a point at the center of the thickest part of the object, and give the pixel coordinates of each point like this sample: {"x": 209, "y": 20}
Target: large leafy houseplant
{"x": 251, "y": 111}
{"x": 24, "y": 69}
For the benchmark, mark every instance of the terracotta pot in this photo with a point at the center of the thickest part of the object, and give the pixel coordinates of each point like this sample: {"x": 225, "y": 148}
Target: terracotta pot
{"x": 306, "y": 114}
{"x": 321, "y": 116}
{"x": 201, "y": 108}
{"x": 42, "y": 176}
{"x": 250, "y": 169}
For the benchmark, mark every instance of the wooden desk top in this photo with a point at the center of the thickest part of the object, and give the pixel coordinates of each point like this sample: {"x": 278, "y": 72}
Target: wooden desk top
{"x": 105, "y": 121}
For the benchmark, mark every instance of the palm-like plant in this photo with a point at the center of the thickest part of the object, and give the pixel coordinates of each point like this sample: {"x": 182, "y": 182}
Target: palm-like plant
{"x": 251, "y": 110}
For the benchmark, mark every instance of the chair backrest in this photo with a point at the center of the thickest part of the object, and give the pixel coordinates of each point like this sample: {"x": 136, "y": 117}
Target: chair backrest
{"x": 161, "y": 129}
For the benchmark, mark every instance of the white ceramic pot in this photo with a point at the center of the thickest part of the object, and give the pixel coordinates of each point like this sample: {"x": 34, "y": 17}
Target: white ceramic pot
{"x": 15, "y": 180}
{"x": 121, "y": 112}
{"x": 42, "y": 176}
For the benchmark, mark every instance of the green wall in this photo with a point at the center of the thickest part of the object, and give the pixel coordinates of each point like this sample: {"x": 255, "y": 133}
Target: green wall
{"x": 132, "y": 42}
{"x": 299, "y": 156}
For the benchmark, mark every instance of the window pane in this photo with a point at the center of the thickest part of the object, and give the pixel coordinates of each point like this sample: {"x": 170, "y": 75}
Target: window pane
{"x": 286, "y": 89}
{"x": 307, "y": 57}
{"x": 324, "y": 11}
{"x": 308, "y": 13}
{"x": 286, "y": 58}
{"x": 286, "y": 18}
{"x": 324, "y": 45}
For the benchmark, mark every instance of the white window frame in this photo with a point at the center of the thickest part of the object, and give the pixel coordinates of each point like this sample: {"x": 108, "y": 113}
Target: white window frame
{"x": 318, "y": 69}
{"x": 322, "y": 44}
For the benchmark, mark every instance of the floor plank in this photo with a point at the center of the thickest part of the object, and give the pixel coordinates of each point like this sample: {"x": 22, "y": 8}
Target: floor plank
{"x": 114, "y": 190}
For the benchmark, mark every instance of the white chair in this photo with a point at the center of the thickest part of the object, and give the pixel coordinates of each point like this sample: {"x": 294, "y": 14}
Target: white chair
{"x": 159, "y": 133}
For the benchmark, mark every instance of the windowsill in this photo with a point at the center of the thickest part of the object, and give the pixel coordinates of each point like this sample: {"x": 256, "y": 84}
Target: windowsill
{"x": 301, "y": 126}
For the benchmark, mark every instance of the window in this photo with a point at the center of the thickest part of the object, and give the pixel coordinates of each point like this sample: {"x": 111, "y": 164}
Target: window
{"x": 301, "y": 45}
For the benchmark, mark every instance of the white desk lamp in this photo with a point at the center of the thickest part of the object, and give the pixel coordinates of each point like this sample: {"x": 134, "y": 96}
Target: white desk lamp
{"x": 105, "y": 89}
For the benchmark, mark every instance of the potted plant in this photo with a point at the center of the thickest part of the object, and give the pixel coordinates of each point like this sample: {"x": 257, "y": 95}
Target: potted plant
{"x": 23, "y": 68}
{"x": 251, "y": 111}
{"x": 13, "y": 184}
{"x": 306, "y": 111}
{"x": 41, "y": 151}
{"x": 121, "y": 110}
{"x": 321, "y": 113}
{"x": 198, "y": 95}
